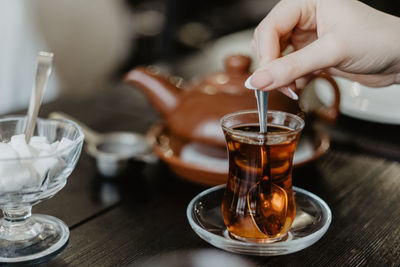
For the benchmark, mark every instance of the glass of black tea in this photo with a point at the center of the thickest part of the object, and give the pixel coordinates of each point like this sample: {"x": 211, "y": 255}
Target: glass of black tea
{"x": 258, "y": 204}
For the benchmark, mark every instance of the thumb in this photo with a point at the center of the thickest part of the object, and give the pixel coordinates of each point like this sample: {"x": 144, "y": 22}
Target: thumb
{"x": 320, "y": 54}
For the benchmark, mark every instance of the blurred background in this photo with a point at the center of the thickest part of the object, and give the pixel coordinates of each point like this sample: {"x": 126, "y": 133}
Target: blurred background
{"x": 97, "y": 41}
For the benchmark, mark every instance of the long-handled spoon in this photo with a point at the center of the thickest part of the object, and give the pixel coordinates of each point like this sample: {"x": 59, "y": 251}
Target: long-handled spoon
{"x": 262, "y": 106}
{"x": 44, "y": 67}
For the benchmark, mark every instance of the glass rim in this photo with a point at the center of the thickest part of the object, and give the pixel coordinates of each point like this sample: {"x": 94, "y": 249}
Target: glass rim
{"x": 75, "y": 142}
{"x": 261, "y": 135}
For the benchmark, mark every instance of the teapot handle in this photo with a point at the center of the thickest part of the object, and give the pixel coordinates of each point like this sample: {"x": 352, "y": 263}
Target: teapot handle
{"x": 329, "y": 113}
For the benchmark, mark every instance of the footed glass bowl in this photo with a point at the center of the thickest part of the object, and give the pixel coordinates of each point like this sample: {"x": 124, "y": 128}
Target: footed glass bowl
{"x": 29, "y": 177}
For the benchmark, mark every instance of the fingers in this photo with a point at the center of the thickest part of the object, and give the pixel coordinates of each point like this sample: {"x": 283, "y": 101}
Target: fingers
{"x": 254, "y": 48}
{"x": 302, "y": 82}
{"x": 320, "y": 54}
{"x": 281, "y": 20}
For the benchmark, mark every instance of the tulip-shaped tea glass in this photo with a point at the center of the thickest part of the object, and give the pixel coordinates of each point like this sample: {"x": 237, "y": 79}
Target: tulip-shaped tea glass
{"x": 258, "y": 204}
{"x": 26, "y": 181}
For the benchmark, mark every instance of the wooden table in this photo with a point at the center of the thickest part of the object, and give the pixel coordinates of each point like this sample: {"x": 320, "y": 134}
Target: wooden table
{"x": 142, "y": 217}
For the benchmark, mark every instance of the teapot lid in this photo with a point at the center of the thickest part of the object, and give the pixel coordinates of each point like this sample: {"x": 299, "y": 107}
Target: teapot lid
{"x": 231, "y": 81}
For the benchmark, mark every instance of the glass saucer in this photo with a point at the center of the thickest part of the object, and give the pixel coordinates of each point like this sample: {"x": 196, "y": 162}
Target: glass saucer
{"x": 313, "y": 218}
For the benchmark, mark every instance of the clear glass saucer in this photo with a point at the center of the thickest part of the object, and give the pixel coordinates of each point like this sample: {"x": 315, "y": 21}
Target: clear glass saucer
{"x": 313, "y": 218}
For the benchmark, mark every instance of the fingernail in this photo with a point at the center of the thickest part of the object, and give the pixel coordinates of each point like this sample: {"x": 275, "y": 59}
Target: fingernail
{"x": 293, "y": 94}
{"x": 289, "y": 93}
{"x": 248, "y": 85}
{"x": 262, "y": 79}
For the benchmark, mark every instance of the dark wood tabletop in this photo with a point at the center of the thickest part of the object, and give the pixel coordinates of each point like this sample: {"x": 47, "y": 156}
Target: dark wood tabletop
{"x": 141, "y": 217}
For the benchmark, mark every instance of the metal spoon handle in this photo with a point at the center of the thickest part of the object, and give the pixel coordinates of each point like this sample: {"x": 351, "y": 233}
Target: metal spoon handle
{"x": 45, "y": 60}
{"x": 262, "y": 105}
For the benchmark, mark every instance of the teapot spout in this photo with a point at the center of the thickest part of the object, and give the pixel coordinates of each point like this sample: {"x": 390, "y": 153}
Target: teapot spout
{"x": 163, "y": 94}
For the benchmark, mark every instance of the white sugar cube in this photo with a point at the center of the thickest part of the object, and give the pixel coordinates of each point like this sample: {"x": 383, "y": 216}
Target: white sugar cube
{"x": 40, "y": 143}
{"x": 19, "y": 144}
{"x": 38, "y": 140}
{"x": 17, "y": 179}
{"x": 7, "y": 152}
{"x": 65, "y": 142}
{"x": 19, "y": 173}
{"x": 7, "y": 182}
{"x": 47, "y": 167}
{"x": 53, "y": 146}
{"x": 26, "y": 177}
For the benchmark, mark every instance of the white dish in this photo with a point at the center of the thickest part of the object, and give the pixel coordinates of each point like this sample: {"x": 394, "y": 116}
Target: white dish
{"x": 372, "y": 104}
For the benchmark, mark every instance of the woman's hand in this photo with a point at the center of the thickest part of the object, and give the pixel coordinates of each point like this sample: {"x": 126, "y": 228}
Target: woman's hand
{"x": 343, "y": 37}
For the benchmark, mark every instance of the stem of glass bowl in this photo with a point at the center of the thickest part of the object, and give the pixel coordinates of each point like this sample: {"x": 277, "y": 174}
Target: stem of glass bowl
{"x": 17, "y": 224}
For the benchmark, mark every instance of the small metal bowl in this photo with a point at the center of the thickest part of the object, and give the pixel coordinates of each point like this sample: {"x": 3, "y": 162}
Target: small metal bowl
{"x": 115, "y": 152}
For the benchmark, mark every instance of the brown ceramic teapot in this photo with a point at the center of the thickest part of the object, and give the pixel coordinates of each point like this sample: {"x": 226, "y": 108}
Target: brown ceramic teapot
{"x": 194, "y": 113}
